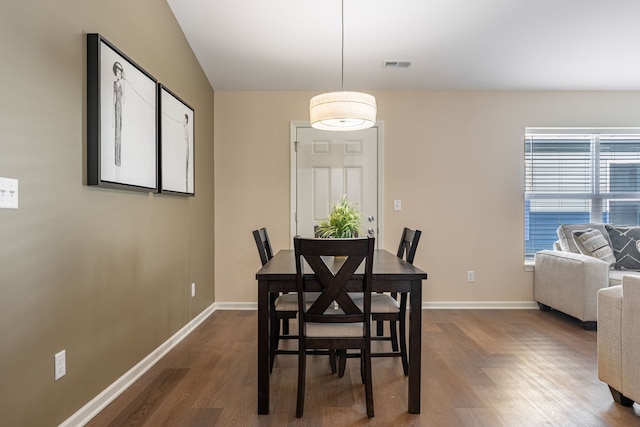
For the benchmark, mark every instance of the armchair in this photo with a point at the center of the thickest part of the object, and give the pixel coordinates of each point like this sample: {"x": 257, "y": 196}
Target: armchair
{"x": 619, "y": 340}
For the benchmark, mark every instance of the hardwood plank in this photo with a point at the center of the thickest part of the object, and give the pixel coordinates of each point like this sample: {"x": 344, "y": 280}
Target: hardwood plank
{"x": 139, "y": 409}
{"x": 479, "y": 368}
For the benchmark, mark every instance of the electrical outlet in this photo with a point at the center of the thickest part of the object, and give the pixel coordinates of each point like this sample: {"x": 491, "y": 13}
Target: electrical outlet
{"x": 60, "y": 364}
{"x": 471, "y": 276}
{"x": 8, "y": 193}
{"x": 193, "y": 289}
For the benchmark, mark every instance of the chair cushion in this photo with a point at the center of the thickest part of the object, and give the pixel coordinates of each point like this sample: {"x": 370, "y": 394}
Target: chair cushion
{"x": 289, "y": 302}
{"x": 334, "y": 329}
{"x": 625, "y": 241}
{"x": 593, "y": 243}
{"x": 380, "y": 303}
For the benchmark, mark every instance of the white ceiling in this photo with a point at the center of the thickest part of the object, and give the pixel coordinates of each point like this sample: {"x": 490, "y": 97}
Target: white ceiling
{"x": 452, "y": 44}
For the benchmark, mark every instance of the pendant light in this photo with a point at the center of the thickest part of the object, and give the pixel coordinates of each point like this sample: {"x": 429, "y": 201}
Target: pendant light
{"x": 342, "y": 110}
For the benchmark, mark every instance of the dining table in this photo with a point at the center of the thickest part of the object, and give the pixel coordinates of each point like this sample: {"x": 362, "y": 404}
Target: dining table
{"x": 390, "y": 274}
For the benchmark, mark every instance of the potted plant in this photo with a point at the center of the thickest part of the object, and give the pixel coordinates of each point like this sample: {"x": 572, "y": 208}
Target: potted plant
{"x": 344, "y": 221}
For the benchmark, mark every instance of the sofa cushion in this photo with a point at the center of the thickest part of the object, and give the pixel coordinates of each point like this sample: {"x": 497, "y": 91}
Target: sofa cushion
{"x": 615, "y": 276}
{"x": 565, "y": 235}
{"x": 625, "y": 241}
{"x": 593, "y": 243}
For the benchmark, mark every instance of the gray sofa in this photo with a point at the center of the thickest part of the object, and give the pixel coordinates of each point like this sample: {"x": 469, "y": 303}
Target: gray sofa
{"x": 585, "y": 259}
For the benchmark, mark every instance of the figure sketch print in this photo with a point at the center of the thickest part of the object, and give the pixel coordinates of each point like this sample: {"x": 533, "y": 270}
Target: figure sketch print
{"x": 121, "y": 120}
{"x": 176, "y": 144}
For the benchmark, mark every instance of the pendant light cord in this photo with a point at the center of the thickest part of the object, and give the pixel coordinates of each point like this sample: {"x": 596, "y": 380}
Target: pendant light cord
{"x": 342, "y": 58}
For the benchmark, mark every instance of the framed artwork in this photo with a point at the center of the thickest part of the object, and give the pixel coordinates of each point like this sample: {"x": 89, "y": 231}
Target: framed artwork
{"x": 176, "y": 144}
{"x": 122, "y": 120}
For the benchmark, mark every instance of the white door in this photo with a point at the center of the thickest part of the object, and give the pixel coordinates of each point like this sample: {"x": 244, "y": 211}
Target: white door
{"x": 329, "y": 164}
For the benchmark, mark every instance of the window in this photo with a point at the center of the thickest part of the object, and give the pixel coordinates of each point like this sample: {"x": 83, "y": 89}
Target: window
{"x": 576, "y": 176}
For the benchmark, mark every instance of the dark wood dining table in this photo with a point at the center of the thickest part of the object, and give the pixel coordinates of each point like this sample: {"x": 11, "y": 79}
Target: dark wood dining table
{"x": 390, "y": 274}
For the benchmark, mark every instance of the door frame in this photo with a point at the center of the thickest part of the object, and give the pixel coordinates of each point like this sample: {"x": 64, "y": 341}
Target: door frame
{"x": 294, "y": 125}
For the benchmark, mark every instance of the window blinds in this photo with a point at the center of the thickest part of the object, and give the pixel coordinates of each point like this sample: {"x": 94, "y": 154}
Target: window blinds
{"x": 573, "y": 178}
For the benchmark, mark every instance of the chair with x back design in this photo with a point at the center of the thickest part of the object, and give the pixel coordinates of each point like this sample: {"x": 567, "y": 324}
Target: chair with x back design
{"x": 334, "y": 320}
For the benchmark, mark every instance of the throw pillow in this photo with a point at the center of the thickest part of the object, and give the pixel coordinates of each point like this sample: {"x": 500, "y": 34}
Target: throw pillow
{"x": 625, "y": 241}
{"x": 565, "y": 236}
{"x": 593, "y": 243}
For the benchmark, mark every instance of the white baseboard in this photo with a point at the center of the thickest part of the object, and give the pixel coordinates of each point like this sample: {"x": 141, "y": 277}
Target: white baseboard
{"x": 486, "y": 305}
{"x": 98, "y": 403}
{"x": 236, "y": 306}
{"x": 480, "y": 305}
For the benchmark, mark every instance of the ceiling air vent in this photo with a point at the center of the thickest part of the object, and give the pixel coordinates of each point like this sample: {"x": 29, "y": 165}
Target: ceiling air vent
{"x": 396, "y": 64}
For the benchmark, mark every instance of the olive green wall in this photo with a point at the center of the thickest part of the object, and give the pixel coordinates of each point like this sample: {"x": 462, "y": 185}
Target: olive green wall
{"x": 104, "y": 274}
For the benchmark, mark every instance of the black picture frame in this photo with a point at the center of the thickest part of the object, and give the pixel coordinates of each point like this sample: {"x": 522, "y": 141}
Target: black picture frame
{"x": 177, "y": 144}
{"x": 122, "y": 120}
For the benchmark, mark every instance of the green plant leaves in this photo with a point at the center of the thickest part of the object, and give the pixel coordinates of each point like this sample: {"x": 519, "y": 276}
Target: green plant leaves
{"x": 343, "y": 221}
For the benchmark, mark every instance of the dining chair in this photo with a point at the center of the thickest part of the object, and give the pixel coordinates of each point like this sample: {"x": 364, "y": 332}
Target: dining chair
{"x": 397, "y": 318}
{"x": 279, "y": 314}
{"x": 345, "y": 325}
{"x": 392, "y": 308}
{"x": 283, "y": 308}
{"x": 263, "y": 244}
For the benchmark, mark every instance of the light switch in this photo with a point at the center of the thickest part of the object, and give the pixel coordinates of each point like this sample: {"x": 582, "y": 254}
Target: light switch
{"x": 8, "y": 193}
{"x": 397, "y": 205}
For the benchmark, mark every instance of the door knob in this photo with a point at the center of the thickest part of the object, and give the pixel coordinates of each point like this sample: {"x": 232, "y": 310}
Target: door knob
{"x": 370, "y": 230}
{"x": 371, "y": 218}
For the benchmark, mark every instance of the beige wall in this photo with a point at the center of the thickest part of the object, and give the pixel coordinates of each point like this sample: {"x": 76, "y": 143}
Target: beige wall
{"x": 104, "y": 274}
{"x": 455, "y": 159}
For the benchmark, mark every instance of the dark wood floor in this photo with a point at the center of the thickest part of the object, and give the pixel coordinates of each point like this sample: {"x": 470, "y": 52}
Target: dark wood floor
{"x": 480, "y": 368}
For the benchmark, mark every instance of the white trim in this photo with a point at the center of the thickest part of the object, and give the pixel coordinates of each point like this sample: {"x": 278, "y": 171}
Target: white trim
{"x": 380, "y": 233}
{"x": 236, "y": 306}
{"x": 293, "y": 127}
{"x": 480, "y": 305}
{"x": 293, "y": 131}
{"x": 445, "y": 305}
{"x": 98, "y": 403}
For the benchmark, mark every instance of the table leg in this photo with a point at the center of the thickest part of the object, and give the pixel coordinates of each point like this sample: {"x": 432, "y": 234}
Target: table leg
{"x": 415, "y": 341}
{"x": 263, "y": 347}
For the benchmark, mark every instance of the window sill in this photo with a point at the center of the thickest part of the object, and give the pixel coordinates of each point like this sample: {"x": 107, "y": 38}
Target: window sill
{"x": 529, "y": 266}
